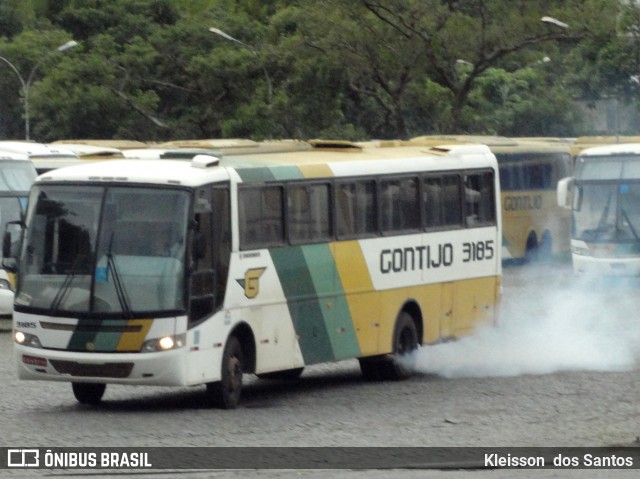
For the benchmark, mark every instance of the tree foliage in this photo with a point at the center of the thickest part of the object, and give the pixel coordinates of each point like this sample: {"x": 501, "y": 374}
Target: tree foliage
{"x": 354, "y": 69}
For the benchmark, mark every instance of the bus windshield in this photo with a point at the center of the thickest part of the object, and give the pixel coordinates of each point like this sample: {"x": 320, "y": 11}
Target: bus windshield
{"x": 608, "y": 212}
{"x": 102, "y": 250}
{"x": 608, "y": 168}
{"x": 16, "y": 176}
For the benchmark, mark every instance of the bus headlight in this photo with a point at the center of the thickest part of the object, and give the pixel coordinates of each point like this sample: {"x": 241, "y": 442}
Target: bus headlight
{"x": 165, "y": 343}
{"x": 26, "y": 339}
{"x": 5, "y": 284}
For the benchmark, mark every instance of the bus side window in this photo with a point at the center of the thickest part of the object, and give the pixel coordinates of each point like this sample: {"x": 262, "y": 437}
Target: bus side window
{"x": 400, "y": 202}
{"x": 433, "y": 202}
{"x": 309, "y": 216}
{"x": 452, "y": 208}
{"x": 356, "y": 209}
{"x": 261, "y": 217}
{"x": 479, "y": 204}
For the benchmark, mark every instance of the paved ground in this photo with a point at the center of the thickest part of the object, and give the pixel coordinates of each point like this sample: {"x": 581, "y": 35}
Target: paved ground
{"x": 560, "y": 370}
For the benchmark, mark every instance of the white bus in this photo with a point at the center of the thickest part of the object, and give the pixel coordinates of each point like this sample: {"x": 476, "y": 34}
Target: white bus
{"x": 604, "y": 194}
{"x": 189, "y": 273}
{"x": 16, "y": 177}
{"x": 43, "y": 156}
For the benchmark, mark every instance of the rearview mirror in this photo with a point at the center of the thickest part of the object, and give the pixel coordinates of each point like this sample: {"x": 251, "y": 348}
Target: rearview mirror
{"x": 11, "y": 242}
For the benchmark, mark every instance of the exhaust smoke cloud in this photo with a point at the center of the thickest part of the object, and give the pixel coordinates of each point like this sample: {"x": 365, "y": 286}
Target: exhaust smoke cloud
{"x": 572, "y": 323}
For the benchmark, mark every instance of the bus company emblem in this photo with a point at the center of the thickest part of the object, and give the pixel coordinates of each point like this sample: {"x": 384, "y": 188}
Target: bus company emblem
{"x": 251, "y": 282}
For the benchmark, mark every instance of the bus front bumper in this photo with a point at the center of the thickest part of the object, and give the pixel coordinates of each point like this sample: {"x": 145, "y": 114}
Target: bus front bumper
{"x": 606, "y": 266}
{"x": 166, "y": 368}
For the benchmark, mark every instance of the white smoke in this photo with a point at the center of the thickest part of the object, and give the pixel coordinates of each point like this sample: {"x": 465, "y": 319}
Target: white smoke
{"x": 571, "y": 323}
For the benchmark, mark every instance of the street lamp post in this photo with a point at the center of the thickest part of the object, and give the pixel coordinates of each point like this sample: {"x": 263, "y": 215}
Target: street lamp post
{"x": 26, "y": 84}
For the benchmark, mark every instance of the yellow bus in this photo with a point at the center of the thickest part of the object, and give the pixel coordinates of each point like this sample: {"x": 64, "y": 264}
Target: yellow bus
{"x": 196, "y": 272}
{"x": 534, "y": 226}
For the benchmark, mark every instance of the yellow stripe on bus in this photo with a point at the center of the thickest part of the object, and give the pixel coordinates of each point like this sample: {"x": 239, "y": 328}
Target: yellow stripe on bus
{"x": 320, "y": 170}
{"x": 132, "y": 341}
{"x": 361, "y": 298}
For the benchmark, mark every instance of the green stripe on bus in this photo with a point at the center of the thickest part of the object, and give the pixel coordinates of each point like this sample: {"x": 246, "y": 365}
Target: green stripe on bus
{"x": 303, "y": 304}
{"x": 108, "y": 341}
{"x": 85, "y": 333}
{"x": 255, "y": 174}
{"x": 286, "y": 173}
{"x": 272, "y": 173}
{"x": 318, "y": 308}
{"x": 90, "y": 335}
{"x": 337, "y": 317}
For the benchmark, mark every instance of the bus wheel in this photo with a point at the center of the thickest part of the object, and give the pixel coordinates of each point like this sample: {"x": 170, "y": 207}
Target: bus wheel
{"x": 399, "y": 364}
{"x": 225, "y": 394}
{"x": 405, "y": 343}
{"x": 530, "y": 248}
{"x": 88, "y": 393}
{"x": 286, "y": 375}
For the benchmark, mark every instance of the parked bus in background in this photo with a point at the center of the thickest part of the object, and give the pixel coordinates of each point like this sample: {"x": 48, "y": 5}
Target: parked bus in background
{"x": 534, "y": 226}
{"x": 187, "y": 149}
{"x": 604, "y": 197}
{"x": 583, "y": 142}
{"x": 194, "y": 272}
{"x": 16, "y": 177}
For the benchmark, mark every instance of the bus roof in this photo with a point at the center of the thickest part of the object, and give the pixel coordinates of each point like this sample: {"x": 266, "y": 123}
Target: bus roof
{"x": 167, "y": 153}
{"x": 317, "y": 163}
{"x": 497, "y": 144}
{"x": 118, "y": 144}
{"x": 85, "y": 151}
{"x": 10, "y": 155}
{"x": 488, "y": 140}
{"x": 616, "y": 149}
{"x": 238, "y": 146}
{"x": 37, "y": 150}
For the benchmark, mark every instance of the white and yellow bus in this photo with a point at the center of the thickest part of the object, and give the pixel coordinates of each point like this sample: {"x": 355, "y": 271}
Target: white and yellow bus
{"x": 604, "y": 198}
{"x": 534, "y": 226}
{"x": 189, "y": 273}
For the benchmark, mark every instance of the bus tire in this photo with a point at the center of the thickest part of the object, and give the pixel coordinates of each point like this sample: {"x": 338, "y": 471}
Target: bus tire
{"x": 531, "y": 248}
{"x": 286, "y": 375}
{"x": 225, "y": 394}
{"x": 405, "y": 342}
{"x": 88, "y": 393}
{"x": 397, "y": 365}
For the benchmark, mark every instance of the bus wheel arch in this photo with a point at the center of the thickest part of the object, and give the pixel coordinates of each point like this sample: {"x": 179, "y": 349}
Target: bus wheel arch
{"x": 238, "y": 358}
{"x": 407, "y": 337}
{"x": 531, "y": 245}
{"x": 248, "y": 343}
{"x": 412, "y": 308}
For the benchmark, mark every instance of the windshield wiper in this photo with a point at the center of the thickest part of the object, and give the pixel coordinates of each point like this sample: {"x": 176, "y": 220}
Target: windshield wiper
{"x": 602, "y": 222}
{"x": 68, "y": 279}
{"x": 633, "y": 230}
{"x": 117, "y": 282}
